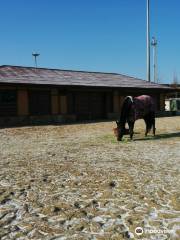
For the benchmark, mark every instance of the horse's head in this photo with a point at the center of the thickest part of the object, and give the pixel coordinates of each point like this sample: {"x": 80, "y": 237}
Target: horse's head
{"x": 120, "y": 131}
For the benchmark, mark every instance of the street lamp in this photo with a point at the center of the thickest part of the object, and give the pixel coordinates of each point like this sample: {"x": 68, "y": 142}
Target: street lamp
{"x": 35, "y": 55}
{"x": 148, "y": 44}
{"x": 154, "y": 45}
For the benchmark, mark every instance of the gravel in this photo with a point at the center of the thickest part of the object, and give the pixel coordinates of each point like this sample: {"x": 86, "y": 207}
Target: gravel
{"x": 77, "y": 182}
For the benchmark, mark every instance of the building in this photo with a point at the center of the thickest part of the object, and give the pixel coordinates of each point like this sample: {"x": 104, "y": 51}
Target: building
{"x": 35, "y": 95}
{"x": 172, "y": 104}
{"x": 175, "y": 93}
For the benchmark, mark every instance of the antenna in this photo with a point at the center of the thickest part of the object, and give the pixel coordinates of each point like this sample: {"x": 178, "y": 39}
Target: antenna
{"x": 148, "y": 44}
{"x": 154, "y": 45}
{"x": 35, "y": 55}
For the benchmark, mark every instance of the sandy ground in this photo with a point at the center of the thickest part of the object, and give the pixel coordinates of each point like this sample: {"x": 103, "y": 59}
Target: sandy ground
{"x": 78, "y": 182}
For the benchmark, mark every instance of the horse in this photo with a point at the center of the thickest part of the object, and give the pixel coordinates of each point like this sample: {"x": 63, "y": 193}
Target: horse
{"x": 134, "y": 108}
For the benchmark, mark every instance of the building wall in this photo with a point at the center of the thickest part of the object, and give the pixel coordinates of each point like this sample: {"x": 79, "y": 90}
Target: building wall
{"x": 54, "y": 101}
{"x": 63, "y": 104}
{"x": 162, "y": 102}
{"x": 116, "y": 102}
{"x": 63, "y": 107}
{"x": 22, "y": 102}
{"x": 8, "y": 102}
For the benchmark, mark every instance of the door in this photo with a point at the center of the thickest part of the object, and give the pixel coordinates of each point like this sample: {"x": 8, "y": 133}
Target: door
{"x": 39, "y": 102}
{"x": 89, "y": 105}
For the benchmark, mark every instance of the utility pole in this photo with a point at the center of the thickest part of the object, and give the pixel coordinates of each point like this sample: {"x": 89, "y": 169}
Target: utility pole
{"x": 148, "y": 44}
{"x": 154, "y": 45}
{"x": 35, "y": 55}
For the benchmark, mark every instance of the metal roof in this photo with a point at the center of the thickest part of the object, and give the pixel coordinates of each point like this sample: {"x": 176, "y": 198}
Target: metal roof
{"x": 58, "y": 77}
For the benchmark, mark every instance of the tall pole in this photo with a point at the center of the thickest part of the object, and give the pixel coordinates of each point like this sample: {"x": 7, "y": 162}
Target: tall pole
{"x": 154, "y": 45}
{"x": 148, "y": 44}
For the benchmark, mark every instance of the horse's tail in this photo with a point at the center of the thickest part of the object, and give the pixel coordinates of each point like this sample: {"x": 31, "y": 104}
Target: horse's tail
{"x": 126, "y": 106}
{"x": 150, "y": 120}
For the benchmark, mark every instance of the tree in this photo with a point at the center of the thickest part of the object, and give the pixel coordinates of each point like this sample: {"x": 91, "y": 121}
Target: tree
{"x": 175, "y": 81}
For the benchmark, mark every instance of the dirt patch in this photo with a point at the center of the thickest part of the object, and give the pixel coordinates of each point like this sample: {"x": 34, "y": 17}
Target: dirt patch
{"x": 78, "y": 182}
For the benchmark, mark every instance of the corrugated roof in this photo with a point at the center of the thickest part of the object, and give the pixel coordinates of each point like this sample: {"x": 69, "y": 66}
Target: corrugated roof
{"x": 58, "y": 77}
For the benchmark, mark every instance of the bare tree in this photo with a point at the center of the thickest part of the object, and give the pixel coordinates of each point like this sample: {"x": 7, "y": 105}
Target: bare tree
{"x": 175, "y": 81}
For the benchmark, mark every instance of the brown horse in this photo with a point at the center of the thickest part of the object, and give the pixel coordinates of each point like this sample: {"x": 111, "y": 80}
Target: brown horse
{"x": 141, "y": 107}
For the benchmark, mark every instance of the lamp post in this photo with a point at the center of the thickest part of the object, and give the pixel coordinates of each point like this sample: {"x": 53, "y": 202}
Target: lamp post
{"x": 154, "y": 45}
{"x": 148, "y": 44}
{"x": 35, "y": 55}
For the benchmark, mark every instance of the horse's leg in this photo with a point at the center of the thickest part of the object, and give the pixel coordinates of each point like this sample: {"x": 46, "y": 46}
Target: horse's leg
{"x": 131, "y": 129}
{"x": 146, "y": 132}
{"x": 154, "y": 127}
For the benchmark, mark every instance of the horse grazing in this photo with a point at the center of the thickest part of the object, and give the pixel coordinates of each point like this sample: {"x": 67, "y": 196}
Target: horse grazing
{"x": 141, "y": 107}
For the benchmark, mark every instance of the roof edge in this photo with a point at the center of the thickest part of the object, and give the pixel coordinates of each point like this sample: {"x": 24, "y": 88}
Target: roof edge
{"x": 70, "y": 70}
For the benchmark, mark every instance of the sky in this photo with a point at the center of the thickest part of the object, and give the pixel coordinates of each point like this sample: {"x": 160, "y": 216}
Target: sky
{"x": 91, "y": 35}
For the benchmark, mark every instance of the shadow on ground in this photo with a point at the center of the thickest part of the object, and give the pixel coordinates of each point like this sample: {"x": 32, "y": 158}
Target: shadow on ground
{"x": 51, "y": 123}
{"x": 159, "y": 136}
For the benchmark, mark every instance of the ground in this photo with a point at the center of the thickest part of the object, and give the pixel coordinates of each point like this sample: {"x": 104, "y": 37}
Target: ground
{"x": 77, "y": 182}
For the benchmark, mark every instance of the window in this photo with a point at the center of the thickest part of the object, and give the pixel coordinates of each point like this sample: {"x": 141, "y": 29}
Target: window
{"x": 8, "y": 103}
{"x": 178, "y": 104}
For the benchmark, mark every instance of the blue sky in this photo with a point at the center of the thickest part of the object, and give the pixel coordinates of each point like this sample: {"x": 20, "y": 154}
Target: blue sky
{"x": 93, "y": 35}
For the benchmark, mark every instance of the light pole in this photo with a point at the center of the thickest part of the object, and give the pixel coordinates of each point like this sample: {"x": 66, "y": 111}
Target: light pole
{"x": 154, "y": 45}
{"x": 35, "y": 55}
{"x": 148, "y": 44}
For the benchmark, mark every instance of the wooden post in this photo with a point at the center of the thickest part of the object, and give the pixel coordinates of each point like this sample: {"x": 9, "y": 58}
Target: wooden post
{"x": 63, "y": 104}
{"x": 116, "y": 102}
{"x": 22, "y": 102}
{"x": 121, "y": 98}
{"x": 54, "y": 101}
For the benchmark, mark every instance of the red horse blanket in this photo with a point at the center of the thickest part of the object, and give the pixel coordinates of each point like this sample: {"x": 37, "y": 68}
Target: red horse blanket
{"x": 142, "y": 105}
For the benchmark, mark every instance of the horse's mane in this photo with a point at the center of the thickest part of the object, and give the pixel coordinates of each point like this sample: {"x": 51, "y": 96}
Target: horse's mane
{"x": 126, "y": 106}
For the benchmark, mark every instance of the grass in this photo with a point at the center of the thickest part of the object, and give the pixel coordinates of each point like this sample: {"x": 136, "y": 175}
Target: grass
{"x": 109, "y": 138}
